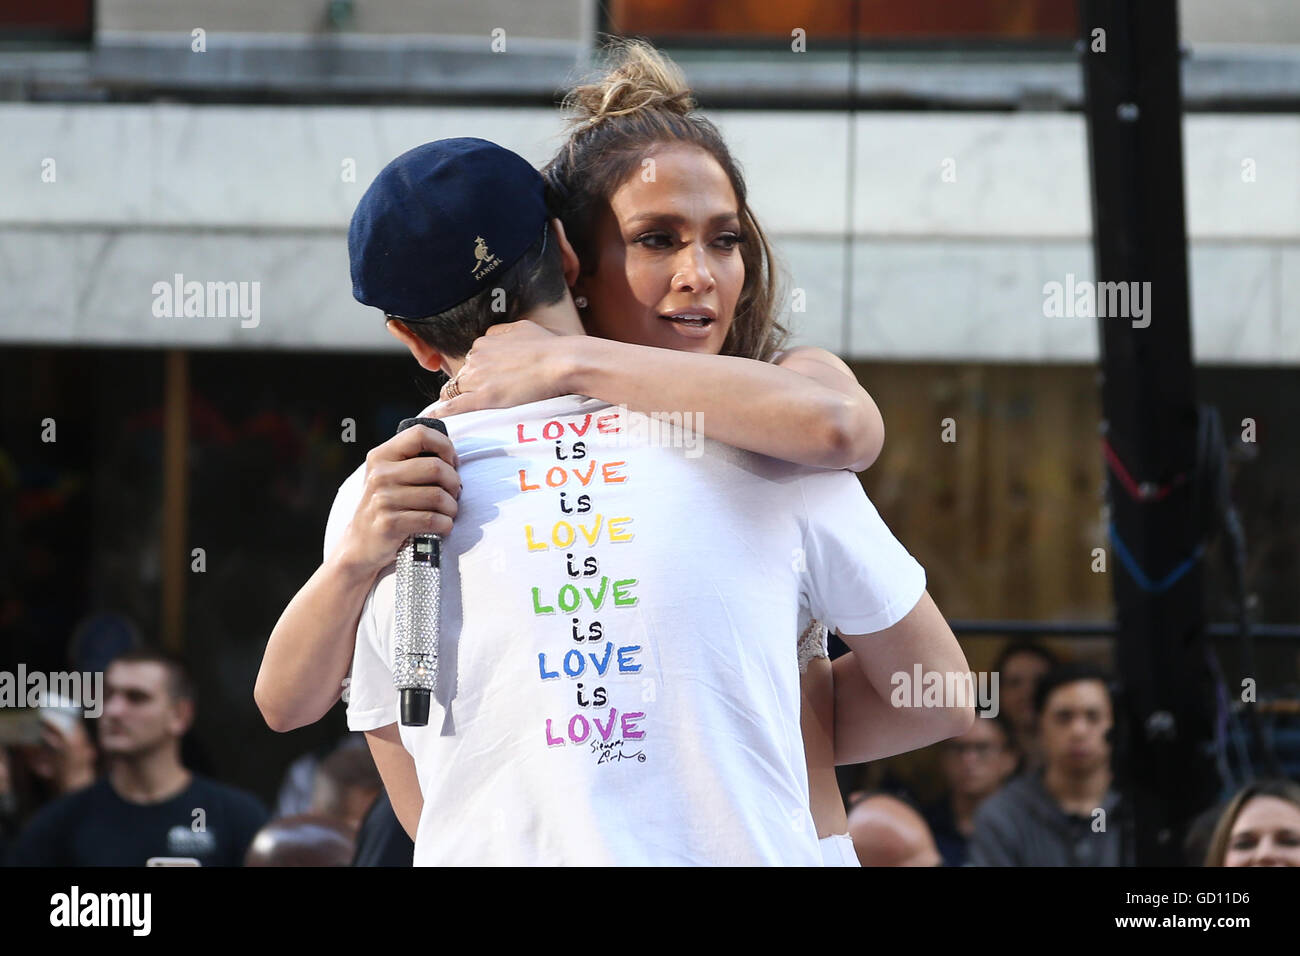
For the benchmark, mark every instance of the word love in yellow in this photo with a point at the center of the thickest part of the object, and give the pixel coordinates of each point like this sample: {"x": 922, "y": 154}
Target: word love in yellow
{"x": 564, "y": 534}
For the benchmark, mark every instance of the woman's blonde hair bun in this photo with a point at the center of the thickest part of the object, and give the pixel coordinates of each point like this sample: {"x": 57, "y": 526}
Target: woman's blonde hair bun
{"x": 636, "y": 77}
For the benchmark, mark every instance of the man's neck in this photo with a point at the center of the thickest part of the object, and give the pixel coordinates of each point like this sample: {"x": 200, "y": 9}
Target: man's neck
{"x": 149, "y": 777}
{"x": 1079, "y": 794}
{"x": 963, "y": 807}
{"x": 560, "y": 318}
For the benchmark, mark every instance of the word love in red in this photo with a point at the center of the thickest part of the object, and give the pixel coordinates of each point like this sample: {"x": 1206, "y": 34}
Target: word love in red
{"x": 605, "y": 424}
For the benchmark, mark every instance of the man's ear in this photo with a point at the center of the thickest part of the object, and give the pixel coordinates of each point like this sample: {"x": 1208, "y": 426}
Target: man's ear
{"x": 424, "y": 353}
{"x": 568, "y": 257}
{"x": 182, "y": 716}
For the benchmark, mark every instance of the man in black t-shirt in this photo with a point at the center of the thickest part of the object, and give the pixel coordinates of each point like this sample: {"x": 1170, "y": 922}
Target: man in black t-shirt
{"x": 381, "y": 841}
{"x": 148, "y": 805}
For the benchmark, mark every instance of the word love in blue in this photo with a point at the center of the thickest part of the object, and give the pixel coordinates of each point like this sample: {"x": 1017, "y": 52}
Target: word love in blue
{"x": 574, "y": 663}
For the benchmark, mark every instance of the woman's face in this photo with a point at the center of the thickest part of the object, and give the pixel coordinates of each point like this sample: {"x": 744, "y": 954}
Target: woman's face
{"x": 1266, "y": 833}
{"x": 667, "y": 247}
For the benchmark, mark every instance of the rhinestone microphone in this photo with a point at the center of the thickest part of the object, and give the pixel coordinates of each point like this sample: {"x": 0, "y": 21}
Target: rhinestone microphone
{"x": 417, "y": 612}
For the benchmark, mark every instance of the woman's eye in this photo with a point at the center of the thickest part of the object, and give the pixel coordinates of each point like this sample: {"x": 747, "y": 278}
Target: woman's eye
{"x": 729, "y": 240}
{"x": 653, "y": 240}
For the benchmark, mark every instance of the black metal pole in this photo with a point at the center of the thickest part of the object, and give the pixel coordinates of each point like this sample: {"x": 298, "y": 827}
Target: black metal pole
{"x": 1134, "y": 121}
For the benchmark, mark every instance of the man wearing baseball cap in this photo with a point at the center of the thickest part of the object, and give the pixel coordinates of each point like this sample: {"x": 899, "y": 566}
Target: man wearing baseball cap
{"x": 448, "y": 220}
{"x": 617, "y": 678}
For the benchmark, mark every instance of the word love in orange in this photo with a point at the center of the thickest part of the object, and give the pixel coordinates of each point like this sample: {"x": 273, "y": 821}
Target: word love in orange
{"x": 557, "y": 477}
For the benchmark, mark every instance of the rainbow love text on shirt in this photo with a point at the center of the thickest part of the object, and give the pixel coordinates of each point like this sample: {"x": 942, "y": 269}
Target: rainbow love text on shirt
{"x": 589, "y": 655}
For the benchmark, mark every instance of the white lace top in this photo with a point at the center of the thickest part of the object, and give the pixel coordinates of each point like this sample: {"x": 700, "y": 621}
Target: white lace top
{"x": 812, "y": 644}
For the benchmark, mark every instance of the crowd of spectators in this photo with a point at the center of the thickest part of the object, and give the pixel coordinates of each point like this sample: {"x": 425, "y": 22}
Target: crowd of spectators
{"x": 1032, "y": 785}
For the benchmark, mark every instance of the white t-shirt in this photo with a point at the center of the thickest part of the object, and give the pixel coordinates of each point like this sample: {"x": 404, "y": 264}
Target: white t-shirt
{"x": 618, "y": 680}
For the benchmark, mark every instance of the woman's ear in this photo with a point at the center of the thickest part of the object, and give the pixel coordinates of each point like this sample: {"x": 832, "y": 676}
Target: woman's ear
{"x": 568, "y": 257}
{"x": 424, "y": 353}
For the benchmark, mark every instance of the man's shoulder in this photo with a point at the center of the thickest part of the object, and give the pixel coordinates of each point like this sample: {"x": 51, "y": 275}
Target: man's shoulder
{"x": 69, "y": 805}
{"x": 233, "y": 797}
{"x": 343, "y": 507}
{"x": 350, "y": 487}
{"x": 1012, "y": 799}
{"x": 562, "y": 406}
{"x": 63, "y": 813}
{"x": 938, "y": 814}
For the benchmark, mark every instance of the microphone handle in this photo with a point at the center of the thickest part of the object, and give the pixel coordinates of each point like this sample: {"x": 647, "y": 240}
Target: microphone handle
{"x": 417, "y": 613}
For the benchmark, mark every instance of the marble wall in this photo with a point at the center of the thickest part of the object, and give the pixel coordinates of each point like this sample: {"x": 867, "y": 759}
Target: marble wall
{"x": 536, "y": 18}
{"x": 955, "y": 223}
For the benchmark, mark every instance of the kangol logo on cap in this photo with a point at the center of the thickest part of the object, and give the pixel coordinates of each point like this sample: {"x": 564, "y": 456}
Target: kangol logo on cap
{"x": 486, "y": 262}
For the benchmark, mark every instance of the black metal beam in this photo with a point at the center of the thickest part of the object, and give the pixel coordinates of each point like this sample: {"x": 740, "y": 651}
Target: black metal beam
{"x": 1164, "y": 724}
{"x": 1023, "y": 628}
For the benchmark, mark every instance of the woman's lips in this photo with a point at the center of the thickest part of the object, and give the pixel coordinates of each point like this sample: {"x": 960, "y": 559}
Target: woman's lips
{"x": 690, "y": 328}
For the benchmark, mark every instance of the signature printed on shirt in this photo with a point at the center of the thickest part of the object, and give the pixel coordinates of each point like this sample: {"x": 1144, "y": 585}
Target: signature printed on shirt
{"x": 611, "y": 751}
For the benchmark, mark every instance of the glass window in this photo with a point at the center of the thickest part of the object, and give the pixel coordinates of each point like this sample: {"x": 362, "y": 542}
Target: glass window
{"x": 917, "y": 20}
{"x": 50, "y": 20}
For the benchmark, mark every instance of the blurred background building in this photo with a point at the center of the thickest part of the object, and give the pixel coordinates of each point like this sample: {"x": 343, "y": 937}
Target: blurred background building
{"x": 921, "y": 169}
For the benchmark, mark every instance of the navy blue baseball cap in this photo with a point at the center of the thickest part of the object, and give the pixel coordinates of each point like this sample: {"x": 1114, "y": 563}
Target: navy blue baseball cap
{"x": 440, "y": 223}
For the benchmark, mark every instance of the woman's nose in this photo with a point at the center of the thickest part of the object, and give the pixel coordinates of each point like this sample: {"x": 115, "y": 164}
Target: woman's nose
{"x": 692, "y": 271}
{"x": 1265, "y": 853}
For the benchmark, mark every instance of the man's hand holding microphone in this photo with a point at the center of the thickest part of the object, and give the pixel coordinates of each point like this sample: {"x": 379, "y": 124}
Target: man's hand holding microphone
{"x": 403, "y": 494}
{"x": 310, "y": 650}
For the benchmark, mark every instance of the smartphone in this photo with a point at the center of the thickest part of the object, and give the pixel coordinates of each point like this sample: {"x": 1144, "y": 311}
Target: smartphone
{"x": 65, "y": 717}
{"x": 20, "y": 726}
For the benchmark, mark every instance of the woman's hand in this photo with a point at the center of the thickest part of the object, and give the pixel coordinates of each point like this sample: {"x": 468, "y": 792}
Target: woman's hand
{"x": 513, "y": 364}
{"x": 403, "y": 494}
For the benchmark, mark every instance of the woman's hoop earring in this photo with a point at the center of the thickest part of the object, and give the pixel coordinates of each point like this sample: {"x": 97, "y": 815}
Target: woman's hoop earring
{"x": 580, "y": 301}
